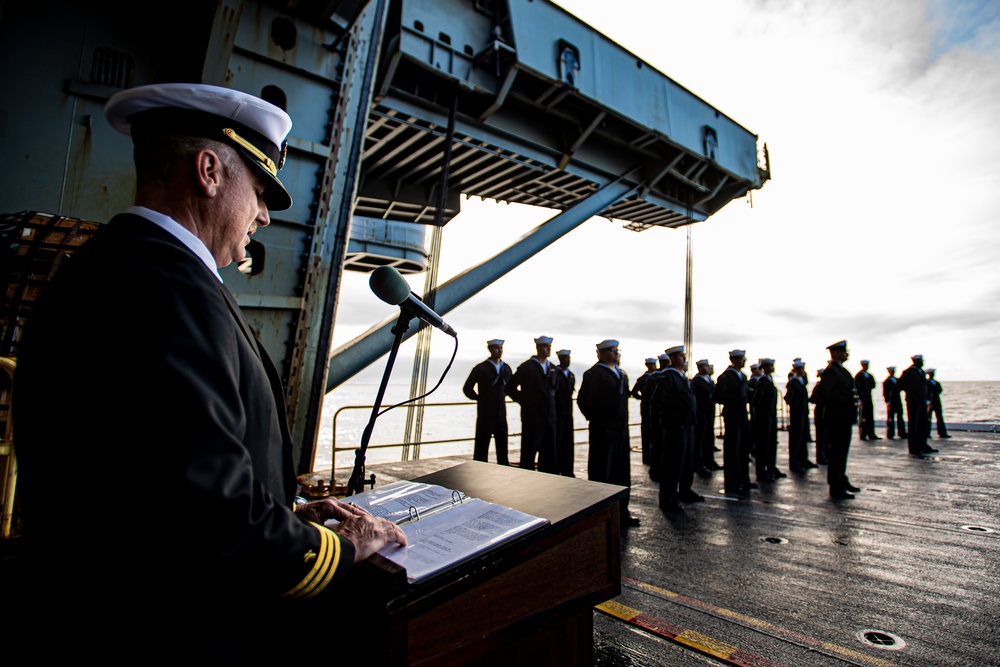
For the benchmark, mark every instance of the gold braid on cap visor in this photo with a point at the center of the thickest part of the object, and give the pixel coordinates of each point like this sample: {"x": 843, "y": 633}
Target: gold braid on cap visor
{"x": 264, "y": 160}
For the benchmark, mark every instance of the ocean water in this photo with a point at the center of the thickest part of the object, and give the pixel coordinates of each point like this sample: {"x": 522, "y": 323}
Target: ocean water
{"x": 450, "y": 418}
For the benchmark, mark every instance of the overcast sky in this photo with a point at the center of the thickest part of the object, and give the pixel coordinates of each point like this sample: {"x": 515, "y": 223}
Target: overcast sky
{"x": 880, "y": 224}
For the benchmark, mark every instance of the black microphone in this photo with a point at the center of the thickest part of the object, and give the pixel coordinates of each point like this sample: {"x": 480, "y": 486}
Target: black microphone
{"x": 392, "y": 288}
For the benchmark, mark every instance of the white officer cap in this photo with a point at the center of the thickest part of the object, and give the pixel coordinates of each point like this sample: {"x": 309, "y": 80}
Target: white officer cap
{"x": 564, "y": 353}
{"x": 650, "y": 360}
{"x": 607, "y": 344}
{"x": 254, "y": 127}
{"x": 495, "y": 341}
{"x": 798, "y": 363}
{"x": 839, "y": 345}
{"x": 543, "y": 340}
{"x": 676, "y": 349}
{"x": 737, "y": 354}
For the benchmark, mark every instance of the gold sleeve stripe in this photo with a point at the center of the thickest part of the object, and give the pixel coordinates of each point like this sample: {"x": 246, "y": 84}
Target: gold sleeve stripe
{"x": 324, "y": 566}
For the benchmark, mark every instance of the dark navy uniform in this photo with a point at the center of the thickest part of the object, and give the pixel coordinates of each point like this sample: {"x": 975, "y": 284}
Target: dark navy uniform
{"x": 639, "y": 392}
{"x": 839, "y": 402}
{"x": 533, "y": 387}
{"x": 765, "y": 427}
{"x": 603, "y": 400}
{"x": 487, "y": 385}
{"x": 565, "y": 438}
{"x": 704, "y": 430}
{"x": 678, "y": 407}
{"x": 731, "y": 393}
{"x": 913, "y": 383}
{"x": 188, "y": 414}
{"x": 894, "y": 418}
{"x": 797, "y": 398}
{"x": 864, "y": 384}
{"x": 934, "y": 392}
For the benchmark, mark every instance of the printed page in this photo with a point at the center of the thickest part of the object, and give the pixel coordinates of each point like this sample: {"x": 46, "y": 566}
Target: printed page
{"x": 441, "y": 540}
{"x": 403, "y": 500}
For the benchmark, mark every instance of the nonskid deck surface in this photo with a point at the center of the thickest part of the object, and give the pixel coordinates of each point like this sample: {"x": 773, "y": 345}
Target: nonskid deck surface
{"x": 907, "y": 573}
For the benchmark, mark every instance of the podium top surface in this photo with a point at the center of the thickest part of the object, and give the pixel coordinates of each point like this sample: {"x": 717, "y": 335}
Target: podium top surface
{"x": 552, "y": 497}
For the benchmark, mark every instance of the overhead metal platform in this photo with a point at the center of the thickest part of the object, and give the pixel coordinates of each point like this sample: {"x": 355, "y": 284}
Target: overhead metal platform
{"x": 547, "y": 111}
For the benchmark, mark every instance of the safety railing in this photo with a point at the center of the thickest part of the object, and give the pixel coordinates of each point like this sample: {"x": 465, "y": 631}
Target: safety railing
{"x": 513, "y": 436}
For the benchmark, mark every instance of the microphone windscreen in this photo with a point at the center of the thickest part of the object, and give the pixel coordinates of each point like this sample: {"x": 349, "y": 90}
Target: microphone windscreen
{"x": 389, "y": 285}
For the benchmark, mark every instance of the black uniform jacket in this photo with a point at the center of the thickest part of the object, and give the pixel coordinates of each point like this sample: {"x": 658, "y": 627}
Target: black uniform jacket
{"x": 796, "y": 394}
{"x": 890, "y": 389}
{"x": 731, "y": 394}
{"x": 674, "y": 399}
{"x": 703, "y": 387}
{"x": 603, "y": 396}
{"x": 534, "y": 390}
{"x": 488, "y": 388}
{"x": 155, "y": 462}
{"x": 913, "y": 381}
{"x": 864, "y": 383}
{"x": 835, "y": 393}
{"x": 765, "y": 397}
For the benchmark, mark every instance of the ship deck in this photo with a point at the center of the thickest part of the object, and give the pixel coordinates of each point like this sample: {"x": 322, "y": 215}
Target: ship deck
{"x": 907, "y": 573}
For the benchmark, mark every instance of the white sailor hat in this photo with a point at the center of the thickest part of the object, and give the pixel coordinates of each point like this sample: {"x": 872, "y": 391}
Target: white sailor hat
{"x": 543, "y": 340}
{"x": 931, "y": 370}
{"x": 607, "y": 344}
{"x": 754, "y": 367}
{"x": 737, "y": 354}
{"x": 564, "y": 353}
{"x": 865, "y": 362}
{"x": 890, "y": 368}
{"x": 495, "y": 341}
{"x": 676, "y": 349}
{"x": 702, "y": 362}
{"x": 254, "y": 127}
{"x": 664, "y": 357}
{"x": 839, "y": 345}
{"x": 917, "y": 357}
{"x": 650, "y": 360}
{"x": 767, "y": 360}
{"x": 798, "y": 363}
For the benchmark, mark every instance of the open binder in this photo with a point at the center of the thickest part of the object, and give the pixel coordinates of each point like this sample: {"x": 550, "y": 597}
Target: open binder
{"x": 443, "y": 526}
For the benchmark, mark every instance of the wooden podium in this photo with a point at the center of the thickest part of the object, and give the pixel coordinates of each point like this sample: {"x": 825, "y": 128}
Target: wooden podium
{"x": 527, "y": 602}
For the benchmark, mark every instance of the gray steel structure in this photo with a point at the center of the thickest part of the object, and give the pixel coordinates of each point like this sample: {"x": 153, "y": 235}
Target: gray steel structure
{"x": 543, "y": 110}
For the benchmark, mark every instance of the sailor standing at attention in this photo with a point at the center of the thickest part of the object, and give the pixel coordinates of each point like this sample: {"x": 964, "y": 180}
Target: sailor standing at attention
{"x": 797, "y": 398}
{"x": 678, "y": 406}
{"x": 185, "y": 397}
{"x": 836, "y": 395}
{"x": 913, "y": 382}
{"x": 703, "y": 386}
{"x": 639, "y": 391}
{"x": 864, "y": 384}
{"x": 565, "y": 438}
{"x": 731, "y": 394}
{"x": 764, "y": 407}
{"x": 603, "y": 400}
{"x": 934, "y": 392}
{"x": 486, "y": 385}
{"x": 893, "y": 405}
{"x": 533, "y": 387}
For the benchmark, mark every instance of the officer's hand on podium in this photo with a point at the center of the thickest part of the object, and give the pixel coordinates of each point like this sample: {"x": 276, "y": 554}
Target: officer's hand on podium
{"x": 368, "y": 533}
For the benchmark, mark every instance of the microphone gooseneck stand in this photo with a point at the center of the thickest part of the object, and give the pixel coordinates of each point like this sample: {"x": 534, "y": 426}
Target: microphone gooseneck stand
{"x": 357, "y": 482}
